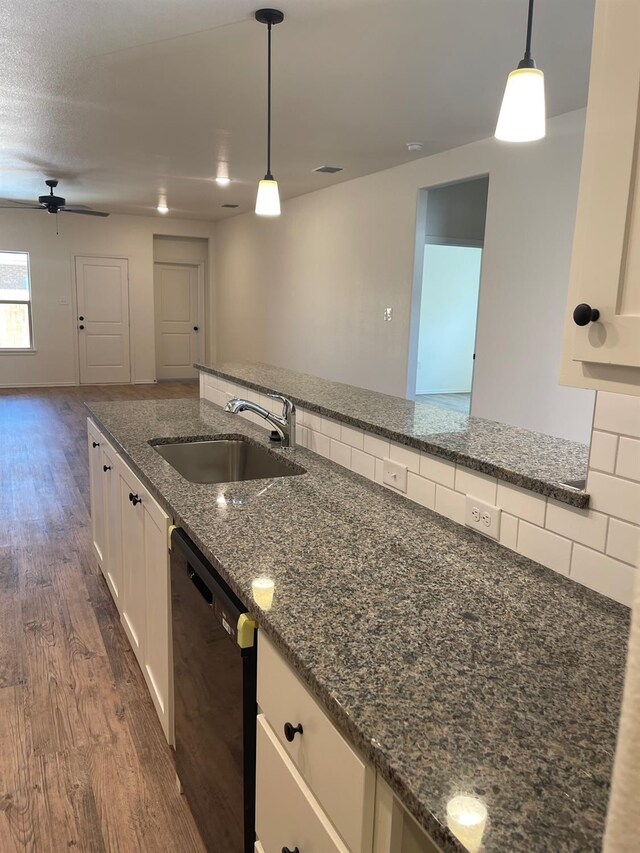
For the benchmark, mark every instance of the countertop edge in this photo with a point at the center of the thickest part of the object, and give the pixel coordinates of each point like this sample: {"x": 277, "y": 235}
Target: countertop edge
{"x": 572, "y": 497}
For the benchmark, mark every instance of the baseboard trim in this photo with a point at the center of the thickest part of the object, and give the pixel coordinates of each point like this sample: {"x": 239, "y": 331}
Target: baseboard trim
{"x": 39, "y": 385}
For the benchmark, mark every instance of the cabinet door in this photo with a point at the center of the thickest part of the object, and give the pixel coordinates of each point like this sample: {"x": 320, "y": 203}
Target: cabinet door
{"x": 98, "y": 527}
{"x": 156, "y": 650}
{"x": 112, "y": 563}
{"x": 606, "y": 256}
{"x": 134, "y": 608}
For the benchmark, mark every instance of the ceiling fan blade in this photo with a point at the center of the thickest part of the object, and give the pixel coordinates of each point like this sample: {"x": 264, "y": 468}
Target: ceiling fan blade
{"x": 13, "y": 203}
{"x": 83, "y": 211}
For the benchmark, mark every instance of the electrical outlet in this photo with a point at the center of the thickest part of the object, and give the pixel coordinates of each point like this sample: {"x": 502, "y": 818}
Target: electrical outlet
{"x": 394, "y": 475}
{"x": 483, "y": 517}
{"x": 388, "y": 315}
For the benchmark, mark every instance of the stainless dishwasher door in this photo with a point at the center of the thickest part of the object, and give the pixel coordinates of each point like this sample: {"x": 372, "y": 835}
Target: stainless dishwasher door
{"x": 214, "y": 702}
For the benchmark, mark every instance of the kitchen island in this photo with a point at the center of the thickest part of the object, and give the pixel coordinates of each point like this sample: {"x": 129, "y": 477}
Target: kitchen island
{"x": 452, "y": 664}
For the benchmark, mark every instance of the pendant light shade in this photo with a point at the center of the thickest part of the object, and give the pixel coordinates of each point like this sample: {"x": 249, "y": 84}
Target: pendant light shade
{"x": 268, "y": 198}
{"x": 522, "y": 114}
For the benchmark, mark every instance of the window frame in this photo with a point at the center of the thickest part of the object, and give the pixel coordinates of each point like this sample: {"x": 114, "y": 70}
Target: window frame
{"x": 28, "y": 302}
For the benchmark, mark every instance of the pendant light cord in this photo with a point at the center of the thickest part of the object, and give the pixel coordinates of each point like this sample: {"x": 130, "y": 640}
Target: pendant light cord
{"x": 527, "y": 50}
{"x": 269, "y": 176}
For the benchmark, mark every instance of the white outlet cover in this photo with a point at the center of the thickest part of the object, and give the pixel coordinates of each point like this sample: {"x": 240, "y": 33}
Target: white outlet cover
{"x": 483, "y": 517}
{"x": 394, "y": 474}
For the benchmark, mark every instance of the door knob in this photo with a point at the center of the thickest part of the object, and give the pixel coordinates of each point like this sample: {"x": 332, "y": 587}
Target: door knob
{"x": 195, "y": 328}
{"x": 134, "y": 499}
{"x": 81, "y": 326}
{"x": 584, "y": 314}
{"x": 106, "y": 468}
{"x": 291, "y": 731}
{"x": 95, "y": 444}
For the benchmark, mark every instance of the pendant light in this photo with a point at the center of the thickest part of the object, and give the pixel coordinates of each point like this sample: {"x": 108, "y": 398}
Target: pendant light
{"x": 268, "y": 198}
{"x": 522, "y": 114}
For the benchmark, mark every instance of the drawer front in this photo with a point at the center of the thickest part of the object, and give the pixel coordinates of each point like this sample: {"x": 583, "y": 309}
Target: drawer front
{"x": 342, "y": 782}
{"x": 287, "y": 814}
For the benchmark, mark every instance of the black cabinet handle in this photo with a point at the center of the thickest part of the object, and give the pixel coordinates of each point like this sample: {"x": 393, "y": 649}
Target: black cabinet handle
{"x": 81, "y": 326}
{"x": 95, "y": 443}
{"x": 106, "y": 468}
{"x": 195, "y": 328}
{"x": 286, "y": 850}
{"x": 81, "y": 319}
{"x": 134, "y": 499}
{"x": 290, "y": 731}
{"x": 584, "y": 314}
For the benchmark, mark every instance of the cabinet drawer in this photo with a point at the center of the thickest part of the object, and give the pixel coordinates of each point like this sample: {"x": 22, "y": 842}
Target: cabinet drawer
{"x": 287, "y": 815}
{"x": 342, "y": 782}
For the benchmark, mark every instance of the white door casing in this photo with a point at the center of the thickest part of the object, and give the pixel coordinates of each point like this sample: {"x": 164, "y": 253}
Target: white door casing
{"x": 102, "y": 300}
{"x": 178, "y": 328}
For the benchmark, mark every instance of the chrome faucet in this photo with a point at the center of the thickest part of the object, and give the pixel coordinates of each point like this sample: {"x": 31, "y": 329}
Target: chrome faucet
{"x": 285, "y": 425}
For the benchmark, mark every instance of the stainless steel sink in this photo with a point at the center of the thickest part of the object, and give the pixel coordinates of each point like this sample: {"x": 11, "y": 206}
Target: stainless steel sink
{"x": 226, "y": 460}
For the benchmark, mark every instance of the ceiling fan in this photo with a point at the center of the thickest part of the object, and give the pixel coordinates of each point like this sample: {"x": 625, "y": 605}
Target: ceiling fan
{"x": 51, "y": 203}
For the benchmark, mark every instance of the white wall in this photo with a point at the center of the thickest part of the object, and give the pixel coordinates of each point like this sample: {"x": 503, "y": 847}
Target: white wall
{"x": 308, "y": 290}
{"x": 448, "y": 312}
{"x": 457, "y": 213}
{"x": 51, "y": 259}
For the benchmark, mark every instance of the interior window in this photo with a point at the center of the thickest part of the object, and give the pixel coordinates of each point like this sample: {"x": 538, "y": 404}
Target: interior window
{"x": 15, "y": 301}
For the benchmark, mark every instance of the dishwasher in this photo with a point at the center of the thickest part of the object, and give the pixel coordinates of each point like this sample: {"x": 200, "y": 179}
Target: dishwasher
{"x": 214, "y": 687}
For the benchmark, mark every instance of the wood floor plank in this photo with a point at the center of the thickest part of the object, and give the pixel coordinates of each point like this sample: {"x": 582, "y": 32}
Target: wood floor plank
{"x": 83, "y": 764}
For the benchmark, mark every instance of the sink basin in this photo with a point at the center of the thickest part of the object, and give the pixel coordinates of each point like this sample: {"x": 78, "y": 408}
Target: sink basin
{"x": 224, "y": 460}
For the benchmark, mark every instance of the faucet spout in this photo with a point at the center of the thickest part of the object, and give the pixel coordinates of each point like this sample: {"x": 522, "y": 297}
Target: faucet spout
{"x": 285, "y": 425}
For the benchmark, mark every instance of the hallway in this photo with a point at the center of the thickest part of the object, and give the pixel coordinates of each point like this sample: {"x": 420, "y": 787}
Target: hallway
{"x": 84, "y": 764}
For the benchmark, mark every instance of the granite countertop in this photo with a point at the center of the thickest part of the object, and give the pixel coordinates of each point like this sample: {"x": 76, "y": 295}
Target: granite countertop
{"x": 532, "y": 460}
{"x": 453, "y": 664}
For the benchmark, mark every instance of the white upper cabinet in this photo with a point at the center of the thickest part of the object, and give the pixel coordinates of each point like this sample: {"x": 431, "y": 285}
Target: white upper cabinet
{"x": 604, "y": 353}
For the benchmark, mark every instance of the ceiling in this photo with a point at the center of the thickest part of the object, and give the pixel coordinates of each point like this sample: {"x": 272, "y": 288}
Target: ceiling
{"x": 125, "y": 99}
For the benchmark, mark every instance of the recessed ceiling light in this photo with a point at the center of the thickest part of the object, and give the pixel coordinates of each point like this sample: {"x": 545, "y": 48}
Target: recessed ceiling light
{"x": 222, "y": 181}
{"x": 414, "y": 146}
{"x": 162, "y": 207}
{"x": 231, "y": 206}
{"x": 328, "y": 170}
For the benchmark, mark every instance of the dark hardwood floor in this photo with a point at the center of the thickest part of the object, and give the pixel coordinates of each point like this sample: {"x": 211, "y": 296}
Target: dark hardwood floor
{"x": 83, "y": 761}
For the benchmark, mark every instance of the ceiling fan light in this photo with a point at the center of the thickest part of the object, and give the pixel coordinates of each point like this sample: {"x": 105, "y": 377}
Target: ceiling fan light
{"x": 268, "y": 198}
{"x": 522, "y": 114}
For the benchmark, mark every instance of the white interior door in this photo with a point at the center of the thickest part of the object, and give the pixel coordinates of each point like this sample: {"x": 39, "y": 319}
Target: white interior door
{"x": 102, "y": 293}
{"x": 177, "y": 324}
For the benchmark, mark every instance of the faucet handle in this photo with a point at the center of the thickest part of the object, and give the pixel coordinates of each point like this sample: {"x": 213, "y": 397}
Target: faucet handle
{"x": 288, "y": 406}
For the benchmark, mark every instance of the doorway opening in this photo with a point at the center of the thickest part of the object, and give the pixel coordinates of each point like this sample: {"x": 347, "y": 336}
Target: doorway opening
{"x": 179, "y": 299}
{"x": 449, "y": 244}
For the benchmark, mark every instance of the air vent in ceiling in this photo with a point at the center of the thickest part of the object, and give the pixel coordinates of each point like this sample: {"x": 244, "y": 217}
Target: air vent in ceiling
{"x": 231, "y": 206}
{"x": 328, "y": 170}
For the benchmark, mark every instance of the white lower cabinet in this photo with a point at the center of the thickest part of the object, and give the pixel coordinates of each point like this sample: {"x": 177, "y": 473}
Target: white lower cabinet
{"x": 287, "y": 814}
{"x": 130, "y": 533}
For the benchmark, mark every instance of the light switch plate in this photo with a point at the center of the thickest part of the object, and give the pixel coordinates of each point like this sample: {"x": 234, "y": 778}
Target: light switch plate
{"x": 394, "y": 474}
{"x": 483, "y": 517}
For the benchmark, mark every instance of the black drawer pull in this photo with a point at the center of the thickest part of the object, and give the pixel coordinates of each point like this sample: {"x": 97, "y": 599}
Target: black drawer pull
{"x": 95, "y": 444}
{"x": 134, "y": 499}
{"x": 584, "y": 314}
{"x": 286, "y": 850}
{"x": 291, "y": 731}
{"x": 106, "y": 468}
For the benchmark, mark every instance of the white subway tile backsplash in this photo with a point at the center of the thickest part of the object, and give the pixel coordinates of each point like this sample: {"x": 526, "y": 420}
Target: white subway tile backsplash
{"x": 610, "y": 577}
{"x": 314, "y": 421}
{"x": 509, "y": 531}
{"x": 623, "y": 542}
{"x": 544, "y": 547}
{"x": 363, "y": 464}
{"x": 376, "y": 446}
{"x": 628, "y": 464}
{"x": 619, "y": 413}
{"x": 450, "y": 503}
{"x": 405, "y": 456}
{"x": 340, "y": 453}
{"x": 331, "y": 428}
{"x": 302, "y": 435}
{"x": 604, "y": 447}
{"x": 614, "y": 496}
{"x": 420, "y": 490}
{"x": 581, "y": 525}
{"x": 520, "y": 502}
{"x": 477, "y": 485}
{"x": 320, "y": 443}
{"x": 440, "y": 470}
{"x": 351, "y": 436}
